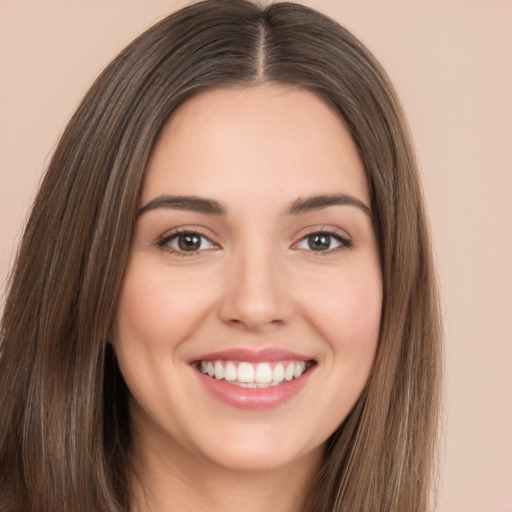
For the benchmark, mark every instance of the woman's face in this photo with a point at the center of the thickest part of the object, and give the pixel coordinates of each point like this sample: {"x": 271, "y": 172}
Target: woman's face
{"x": 249, "y": 315}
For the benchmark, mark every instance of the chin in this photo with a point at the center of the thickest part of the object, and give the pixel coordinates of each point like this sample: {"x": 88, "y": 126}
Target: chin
{"x": 259, "y": 451}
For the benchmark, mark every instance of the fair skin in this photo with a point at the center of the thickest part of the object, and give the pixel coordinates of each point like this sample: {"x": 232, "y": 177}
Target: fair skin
{"x": 254, "y": 247}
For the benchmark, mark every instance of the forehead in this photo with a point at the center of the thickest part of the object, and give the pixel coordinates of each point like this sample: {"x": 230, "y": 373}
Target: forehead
{"x": 252, "y": 142}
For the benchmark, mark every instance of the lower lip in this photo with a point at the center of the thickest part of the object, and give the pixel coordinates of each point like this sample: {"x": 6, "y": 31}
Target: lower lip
{"x": 254, "y": 398}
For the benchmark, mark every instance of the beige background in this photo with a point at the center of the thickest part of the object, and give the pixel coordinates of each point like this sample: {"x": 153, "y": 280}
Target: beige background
{"x": 451, "y": 62}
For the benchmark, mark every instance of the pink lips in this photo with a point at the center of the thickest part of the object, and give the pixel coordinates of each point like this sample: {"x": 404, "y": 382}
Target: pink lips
{"x": 252, "y": 398}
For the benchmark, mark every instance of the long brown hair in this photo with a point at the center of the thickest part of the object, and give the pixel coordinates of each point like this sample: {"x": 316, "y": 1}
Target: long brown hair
{"x": 64, "y": 424}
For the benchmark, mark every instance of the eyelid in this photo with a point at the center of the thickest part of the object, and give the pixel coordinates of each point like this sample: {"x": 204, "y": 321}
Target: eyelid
{"x": 340, "y": 235}
{"x": 345, "y": 241}
{"x": 163, "y": 241}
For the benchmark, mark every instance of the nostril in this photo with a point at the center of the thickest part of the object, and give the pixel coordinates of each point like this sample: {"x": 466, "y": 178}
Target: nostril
{"x": 259, "y": 325}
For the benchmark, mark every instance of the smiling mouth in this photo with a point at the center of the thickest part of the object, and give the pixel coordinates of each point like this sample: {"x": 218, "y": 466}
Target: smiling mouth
{"x": 249, "y": 375}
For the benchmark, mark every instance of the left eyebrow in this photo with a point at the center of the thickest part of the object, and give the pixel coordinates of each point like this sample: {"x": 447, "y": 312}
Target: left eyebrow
{"x": 311, "y": 203}
{"x": 190, "y": 203}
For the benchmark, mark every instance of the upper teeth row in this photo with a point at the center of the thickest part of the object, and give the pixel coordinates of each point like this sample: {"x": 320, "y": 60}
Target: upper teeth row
{"x": 261, "y": 373}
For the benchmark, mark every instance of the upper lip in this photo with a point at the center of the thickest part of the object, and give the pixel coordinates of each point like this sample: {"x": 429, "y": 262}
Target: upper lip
{"x": 252, "y": 356}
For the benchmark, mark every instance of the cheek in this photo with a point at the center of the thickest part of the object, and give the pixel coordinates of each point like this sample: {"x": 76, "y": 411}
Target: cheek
{"x": 346, "y": 310}
{"x": 158, "y": 309}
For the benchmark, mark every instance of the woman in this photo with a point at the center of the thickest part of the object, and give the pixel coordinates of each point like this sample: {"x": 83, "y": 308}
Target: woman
{"x": 224, "y": 296}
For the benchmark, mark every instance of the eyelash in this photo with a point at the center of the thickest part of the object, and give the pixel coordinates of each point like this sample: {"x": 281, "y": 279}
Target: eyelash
{"x": 163, "y": 243}
{"x": 344, "y": 241}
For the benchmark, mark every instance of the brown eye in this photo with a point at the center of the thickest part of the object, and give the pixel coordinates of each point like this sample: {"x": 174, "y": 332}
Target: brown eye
{"x": 319, "y": 242}
{"x": 186, "y": 242}
{"x": 189, "y": 242}
{"x": 323, "y": 242}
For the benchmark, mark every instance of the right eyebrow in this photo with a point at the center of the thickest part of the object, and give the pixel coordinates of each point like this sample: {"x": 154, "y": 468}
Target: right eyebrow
{"x": 189, "y": 203}
{"x": 311, "y": 203}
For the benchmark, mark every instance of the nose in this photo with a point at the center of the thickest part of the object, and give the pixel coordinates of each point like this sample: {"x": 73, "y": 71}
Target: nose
{"x": 256, "y": 296}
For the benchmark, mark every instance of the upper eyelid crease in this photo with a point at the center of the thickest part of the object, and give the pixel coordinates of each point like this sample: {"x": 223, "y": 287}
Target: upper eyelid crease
{"x": 345, "y": 240}
{"x": 179, "y": 232}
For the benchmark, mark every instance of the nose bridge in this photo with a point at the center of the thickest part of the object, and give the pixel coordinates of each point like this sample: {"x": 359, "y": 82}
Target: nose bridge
{"x": 256, "y": 294}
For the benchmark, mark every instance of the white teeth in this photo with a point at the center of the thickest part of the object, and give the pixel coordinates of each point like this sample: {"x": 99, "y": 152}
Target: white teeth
{"x": 289, "y": 371}
{"x": 278, "y": 373}
{"x": 250, "y": 375}
{"x": 245, "y": 372}
{"x": 263, "y": 373}
{"x": 219, "y": 370}
{"x": 299, "y": 369}
{"x": 230, "y": 372}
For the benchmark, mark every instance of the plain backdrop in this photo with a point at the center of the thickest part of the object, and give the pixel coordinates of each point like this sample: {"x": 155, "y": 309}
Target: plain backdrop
{"x": 451, "y": 63}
